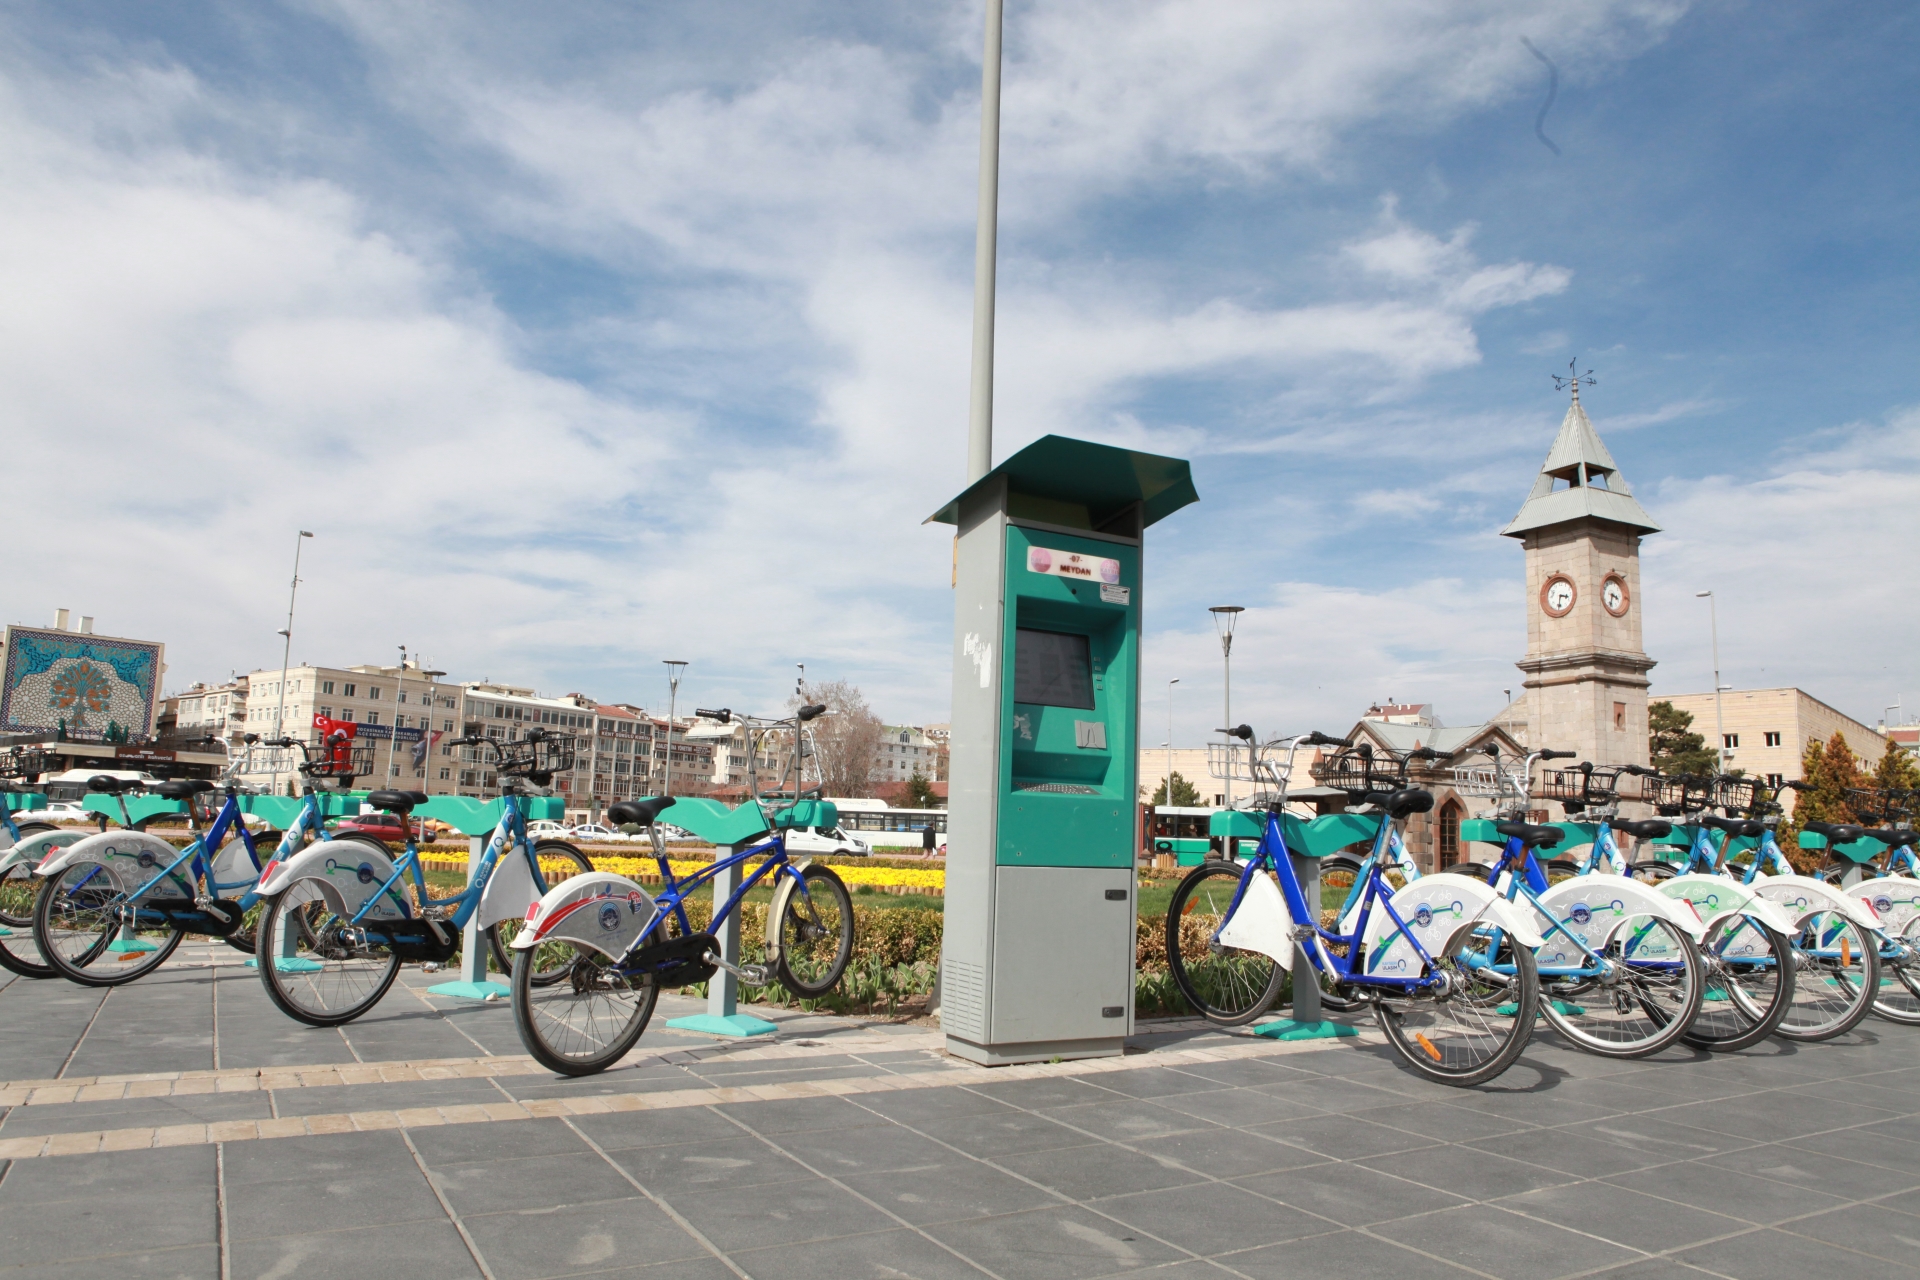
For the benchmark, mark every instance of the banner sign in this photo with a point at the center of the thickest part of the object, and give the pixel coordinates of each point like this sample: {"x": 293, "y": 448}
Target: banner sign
{"x": 327, "y": 727}
{"x": 89, "y": 686}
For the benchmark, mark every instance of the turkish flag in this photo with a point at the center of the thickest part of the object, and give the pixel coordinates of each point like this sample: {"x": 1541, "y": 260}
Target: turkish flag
{"x": 326, "y": 726}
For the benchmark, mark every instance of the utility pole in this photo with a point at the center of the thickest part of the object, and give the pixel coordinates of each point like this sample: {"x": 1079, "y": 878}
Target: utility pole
{"x": 1225, "y": 618}
{"x": 1719, "y": 722}
{"x": 286, "y": 654}
{"x": 985, "y": 255}
{"x": 1170, "y": 684}
{"x": 674, "y": 668}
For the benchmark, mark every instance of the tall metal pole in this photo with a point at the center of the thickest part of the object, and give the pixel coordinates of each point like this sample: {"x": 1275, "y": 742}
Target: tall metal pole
{"x": 1225, "y": 618}
{"x": 674, "y": 668}
{"x": 399, "y": 696}
{"x": 1719, "y": 723}
{"x": 985, "y": 255}
{"x": 286, "y": 654}
{"x": 1170, "y": 684}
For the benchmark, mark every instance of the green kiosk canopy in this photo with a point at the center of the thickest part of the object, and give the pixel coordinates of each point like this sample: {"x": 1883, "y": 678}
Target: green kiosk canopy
{"x": 1037, "y": 960}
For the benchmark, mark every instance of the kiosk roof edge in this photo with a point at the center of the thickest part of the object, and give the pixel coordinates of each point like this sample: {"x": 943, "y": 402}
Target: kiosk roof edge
{"x": 1102, "y": 478}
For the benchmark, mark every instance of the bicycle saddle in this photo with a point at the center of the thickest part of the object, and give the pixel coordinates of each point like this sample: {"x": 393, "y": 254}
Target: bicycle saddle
{"x": 111, "y": 786}
{"x": 638, "y": 813}
{"x": 1647, "y": 829}
{"x": 1894, "y": 837}
{"x": 396, "y": 801}
{"x": 1732, "y": 826}
{"x": 1837, "y": 832}
{"x": 181, "y": 788}
{"x": 1529, "y": 835}
{"x": 1407, "y": 801}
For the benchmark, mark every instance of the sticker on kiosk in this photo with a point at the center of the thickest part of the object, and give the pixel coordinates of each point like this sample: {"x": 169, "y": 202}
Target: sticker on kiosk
{"x": 1071, "y": 564}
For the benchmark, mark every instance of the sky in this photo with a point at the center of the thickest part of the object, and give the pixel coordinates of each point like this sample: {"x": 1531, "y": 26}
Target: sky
{"x": 588, "y": 336}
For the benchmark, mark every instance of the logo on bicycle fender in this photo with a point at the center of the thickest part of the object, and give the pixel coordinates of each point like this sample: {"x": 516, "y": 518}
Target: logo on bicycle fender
{"x": 1883, "y": 904}
{"x": 147, "y": 860}
{"x": 609, "y": 917}
{"x": 365, "y": 873}
{"x": 1581, "y": 913}
{"x": 1424, "y": 916}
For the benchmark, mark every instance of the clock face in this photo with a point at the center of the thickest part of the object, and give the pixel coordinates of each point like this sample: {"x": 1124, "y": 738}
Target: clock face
{"x": 1557, "y": 596}
{"x": 1613, "y": 594}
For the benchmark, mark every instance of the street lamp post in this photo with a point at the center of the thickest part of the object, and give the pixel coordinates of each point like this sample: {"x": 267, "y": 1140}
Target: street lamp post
{"x": 985, "y": 255}
{"x": 1719, "y": 722}
{"x": 1225, "y": 618}
{"x": 286, "y": 655}
{"x": 1170, "y": 684}
{"x": 674, "y": 668}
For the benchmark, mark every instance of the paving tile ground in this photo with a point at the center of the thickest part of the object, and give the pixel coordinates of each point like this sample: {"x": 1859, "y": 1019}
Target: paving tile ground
{"x": 162, "y": 1131}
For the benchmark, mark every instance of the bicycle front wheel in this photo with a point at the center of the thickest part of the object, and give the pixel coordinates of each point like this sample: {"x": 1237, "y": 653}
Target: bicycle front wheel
{"x": 18, "y": 951}
{"x": 1476, "y": 1025}
{"x": 1837, "y": 966}
{"x": 816, "y": 933}
{"x": 91, "y": 936}
{"x": 1899, "y": 997}
{"x": 1645, "y": 1001}
{"x": 316, "y": 969}
{"x": 558, "y": 861}
{"x": 1750, "y": 981}
{"x": 585, "y": 1021}
{"x": 1223, "y": 984}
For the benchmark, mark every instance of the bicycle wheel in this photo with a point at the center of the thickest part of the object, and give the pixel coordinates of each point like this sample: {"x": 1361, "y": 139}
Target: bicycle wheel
{"x": 315, "y": 968}
{"x": 18, "y": 951}
{"x": 1223, "y": 984}
{"x": 558, "y": 861}
{"x": 1838, "y": 972}
{"x": 1478, "y": 870}
{"x": 1749, "y": 986}
{"x": 1899, "y": 997}
{"x": 816, "y": 934}
{"x": 90, "y": 936}
{"x": 585, "y": 1022}
{"x": 1647, "y": 999}
{"x": 1653, "y": 870}
{"x": 1558, "y": 869}
{"x": 1479, "y": 1023}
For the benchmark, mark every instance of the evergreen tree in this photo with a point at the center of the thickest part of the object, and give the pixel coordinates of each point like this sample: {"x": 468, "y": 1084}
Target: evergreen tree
{"x": 1672, "y": 747}
{"x": 1830, "y": 770}
{"x": 920, "y": 792}
{"x": 1897, "y": 772}
{"x": 1185, "y": 794}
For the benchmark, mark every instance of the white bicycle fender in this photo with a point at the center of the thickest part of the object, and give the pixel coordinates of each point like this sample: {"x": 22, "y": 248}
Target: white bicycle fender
{"x": 1595, "y": 906}
{"x": 35, "y": 849}
{"x": 1895, "y": 899}
{"x": 510, "y": 891}
{"x": 1436, "y": 910}
{"x": 1717, "y": 897}
{"x": 232, "y": 867}
{"x": 1804, "y": 897}
{"x": 601, "y": 910}
{"x": 777, "y": 909}
{"x": 128, "y": 858}
{"x": 348, "y": 872}
{"x": 1262, "y": 922}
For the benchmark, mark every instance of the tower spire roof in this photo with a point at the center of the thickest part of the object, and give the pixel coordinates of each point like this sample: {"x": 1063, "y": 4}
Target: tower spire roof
{"x": 1579, "y": 479}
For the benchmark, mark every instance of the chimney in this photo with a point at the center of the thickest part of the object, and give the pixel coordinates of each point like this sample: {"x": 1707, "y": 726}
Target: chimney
{"x": 86, "y": 625}
{"x": 60, "y": 619}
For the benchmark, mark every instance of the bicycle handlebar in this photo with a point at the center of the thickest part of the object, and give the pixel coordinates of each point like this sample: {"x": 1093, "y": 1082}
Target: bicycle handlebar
{"x": 1558, "y": 755}
{"x": 1319, "y": 739}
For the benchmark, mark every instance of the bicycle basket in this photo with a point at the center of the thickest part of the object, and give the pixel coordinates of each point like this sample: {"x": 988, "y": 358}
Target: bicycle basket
{"x": 25, "y": 762}
{"x": 1735, "y": 793}
{"x": 1490, "y": 780}
{"x": 1578, "y": 786}
{"x": 1351, "y": 771}
{"x": 540, "y": 757}
{"x": 339, "y": 757}
{"x": 1675, "y": 796}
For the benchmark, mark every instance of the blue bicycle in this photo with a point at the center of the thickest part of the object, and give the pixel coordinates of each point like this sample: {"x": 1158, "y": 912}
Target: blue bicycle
{"x": 341, "y": 918}
{"x": 1445, "y": 964}
{"x": 596, "y": 952}
{"x": 22, "y": 847}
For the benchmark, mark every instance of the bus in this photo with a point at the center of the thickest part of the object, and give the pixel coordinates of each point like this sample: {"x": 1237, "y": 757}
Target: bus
{"x": 1180, "y": 830}
{"x": 901, "y": 829}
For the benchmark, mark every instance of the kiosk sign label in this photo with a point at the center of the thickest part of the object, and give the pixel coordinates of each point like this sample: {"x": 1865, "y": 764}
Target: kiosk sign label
{"x": 1071, "y": 564}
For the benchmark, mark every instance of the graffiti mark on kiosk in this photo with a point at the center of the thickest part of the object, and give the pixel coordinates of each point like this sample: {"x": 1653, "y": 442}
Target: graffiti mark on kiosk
{"x": 1071, "y": 564}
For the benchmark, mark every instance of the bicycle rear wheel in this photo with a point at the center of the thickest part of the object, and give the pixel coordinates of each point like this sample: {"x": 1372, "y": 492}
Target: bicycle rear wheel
{"x": 558, "y": 861}
{"x": 585, "y": 1021}
{"x": 1647, "y": 1001}
{"x": 1837, "y": 966}
{"x": 816, "y": 934}
{"x": 314, "y": 969}
{"x": 18, "y": 951}
{"x": 1479, "y": 1024}
{"x": 1899, "y": 997}
{"x": 1223, "y": 984}
{"x": 90, "y": 936}
{"x": 1749, "y": 987}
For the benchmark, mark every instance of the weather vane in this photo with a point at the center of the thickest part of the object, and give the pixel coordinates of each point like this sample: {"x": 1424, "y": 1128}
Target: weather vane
{"x": 1573, "y": 378}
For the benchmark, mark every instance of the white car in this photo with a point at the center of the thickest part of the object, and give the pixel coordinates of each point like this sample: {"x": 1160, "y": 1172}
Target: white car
{"x": 56, "y": 811}
{"x": 548, "y": 827}
{"x": 597, "y": 833}
{"x": 826, "y": 840}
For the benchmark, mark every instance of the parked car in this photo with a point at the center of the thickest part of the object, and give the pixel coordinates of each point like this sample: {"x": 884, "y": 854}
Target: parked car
{"x": 56, "y": 811}
{"x": 386, "y": 827}
{"x": 597, "y": 833}
{"x": 548, "y": 827}
{"x": 826, "y": 840}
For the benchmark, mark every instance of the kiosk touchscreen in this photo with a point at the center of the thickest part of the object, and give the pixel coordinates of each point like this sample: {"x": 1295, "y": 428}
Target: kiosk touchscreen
{"x": 1037, "y": 961}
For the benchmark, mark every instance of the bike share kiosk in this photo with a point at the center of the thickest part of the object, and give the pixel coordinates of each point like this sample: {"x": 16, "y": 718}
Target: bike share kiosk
{"x": 1038, "y": 956}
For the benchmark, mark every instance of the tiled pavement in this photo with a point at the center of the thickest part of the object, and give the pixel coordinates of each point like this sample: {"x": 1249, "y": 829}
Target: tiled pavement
{"x": 426, "y": 1144}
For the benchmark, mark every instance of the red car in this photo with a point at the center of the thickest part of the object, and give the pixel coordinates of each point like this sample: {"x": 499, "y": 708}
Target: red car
{"x": 384, "y": 827}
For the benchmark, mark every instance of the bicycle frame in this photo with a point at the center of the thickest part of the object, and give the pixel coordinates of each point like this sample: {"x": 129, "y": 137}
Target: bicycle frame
{"x": 1388, "y": 850}
{"x": 673, "y": 893}
{"x": 509, "y": 833}
{"x": 199, "y": 858}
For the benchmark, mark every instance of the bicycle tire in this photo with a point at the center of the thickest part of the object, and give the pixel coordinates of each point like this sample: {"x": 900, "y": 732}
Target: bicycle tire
{"x": 1558, "y": 869}
{"x": 500, "y": 933}
{"x": 1645, "y": 1008}
{"x": 241, "y": 939}
{"x": 319, "y": 979}
{"x": 1899, "y": 996}
{"x": 1478, "y": 870}
{"x": 1652, "y": 870}
{"x": 1732, "y": 1014}
{"x": 1229, "y": 987}
{"x": 816, "y": 934}
{"x": 77, "y": 931}
{"x": 1345, "y": 871}
{"x": 19, "y": 953}
{"x": 1479, "y": 1028}
{"x": 561, "y": 1023}
{"x": 1838, "y": 973}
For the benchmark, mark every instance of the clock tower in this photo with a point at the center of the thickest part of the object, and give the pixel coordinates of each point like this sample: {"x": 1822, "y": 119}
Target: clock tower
{"x": 1586, "y": 669}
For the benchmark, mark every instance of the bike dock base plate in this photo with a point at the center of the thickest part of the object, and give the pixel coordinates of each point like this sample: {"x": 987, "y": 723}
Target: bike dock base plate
{"x": 1288, "y": 1029}
{"x": 734, "y": 1024}
{"x": 471, "y": 990}
{"x": 289, "y": 964}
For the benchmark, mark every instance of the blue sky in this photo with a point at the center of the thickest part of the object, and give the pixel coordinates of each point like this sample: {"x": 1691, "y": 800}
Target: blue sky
{"x": 588, "y": 337}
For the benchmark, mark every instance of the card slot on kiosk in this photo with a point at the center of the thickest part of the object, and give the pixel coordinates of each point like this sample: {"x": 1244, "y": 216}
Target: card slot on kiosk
{"x": 1037, "y": 957}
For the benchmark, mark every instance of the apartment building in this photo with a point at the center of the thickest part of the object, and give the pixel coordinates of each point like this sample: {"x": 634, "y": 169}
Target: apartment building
{"x": 401, "y": 713}
{"x": 211, "y": 711}
{"x": 905, "y": 750}
{"x": 1766, "y": 731}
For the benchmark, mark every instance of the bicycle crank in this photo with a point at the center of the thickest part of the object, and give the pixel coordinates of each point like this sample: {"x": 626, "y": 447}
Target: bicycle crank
{"x": 754, "y": 975}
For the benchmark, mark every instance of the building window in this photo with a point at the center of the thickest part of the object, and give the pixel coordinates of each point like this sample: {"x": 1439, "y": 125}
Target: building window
{"x": 1729, "y": 740}
{"x": 446, "y": 726}
{"x": 1773, "y": 739}
{"x": 326, "y": 686}
{"x": 346, "y": 691}
{"x": 400, "y": 722}
{"x": 1775, "y": 781}
{"x": 373, "y": 717}
{"x": 1620, "y": 715}
{"x": 373, "y": 692}
{"x": 1449, "y": 852}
